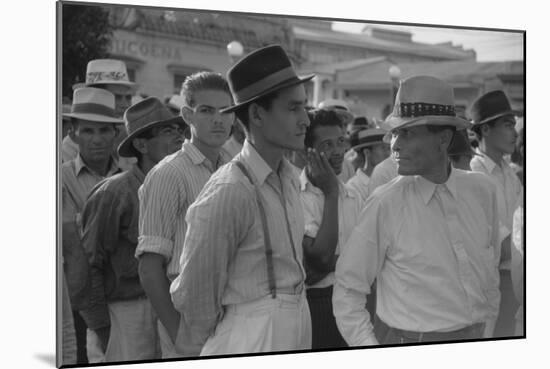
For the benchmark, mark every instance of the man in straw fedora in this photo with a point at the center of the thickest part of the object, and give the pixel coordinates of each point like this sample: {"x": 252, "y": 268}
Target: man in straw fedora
{"x": 241, "y": 285}
{"x": 168, "y": 191}
{"x": 110, "y": 75}
{"x": 119, "y": 311}
{"x": 368, "y": 142}
{"x": 95, "y": 128}
{"x": 429, "y": 237}
{"x": 494, "y": 125}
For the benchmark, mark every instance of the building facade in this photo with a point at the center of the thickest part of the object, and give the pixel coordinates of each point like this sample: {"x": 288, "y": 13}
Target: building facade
{"x": 161, "y": 48}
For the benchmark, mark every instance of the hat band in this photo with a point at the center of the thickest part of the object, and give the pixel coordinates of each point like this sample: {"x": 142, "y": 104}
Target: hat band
{"x": 105, "y": 77}
{"x": 260, "y": 86}
{"x": 422, "y": 109}
{"x": 370, "y": 139}
{"x": 92, "y": 108}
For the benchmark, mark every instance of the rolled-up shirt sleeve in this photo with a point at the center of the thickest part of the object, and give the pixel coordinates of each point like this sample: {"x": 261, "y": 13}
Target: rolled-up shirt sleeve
{"x": 217, "y": 222}
{"x": 359, "y": 263}
{"x": 160, "y": 197}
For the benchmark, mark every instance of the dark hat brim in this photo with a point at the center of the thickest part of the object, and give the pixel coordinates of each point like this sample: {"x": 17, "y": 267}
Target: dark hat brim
{"x": 378, "y": 139}
{"x": 288, "y": 83}
{"x": 492, "y": 117}
{"x": 125, "y": 148}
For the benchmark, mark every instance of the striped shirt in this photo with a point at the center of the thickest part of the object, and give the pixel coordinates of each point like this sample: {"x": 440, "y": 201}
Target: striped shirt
{"x": 434, "y": 251}
{"x": 232, "y": 147}
{"x": 313, "y": 201}
{"x": 166, "y": 194}
{"x": 224, "y": 259}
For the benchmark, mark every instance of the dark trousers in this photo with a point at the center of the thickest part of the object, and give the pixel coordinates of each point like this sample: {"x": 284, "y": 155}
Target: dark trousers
{"x": 325, "y": 333}
{"x": 387, "y": 335}
{"x": 80, "y": 328}
{"x": 506, "y": 321}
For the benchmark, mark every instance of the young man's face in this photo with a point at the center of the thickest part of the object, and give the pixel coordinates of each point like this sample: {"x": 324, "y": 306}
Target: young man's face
{"x": 123, "y": 98}
{"x": 416, "y": 150}
{"x": 377, "y": 153}
{"x": 331, "y": 141}
{"x": 284, "y": 124}
{"x": 502, "y": 136}
{"x": 95, "y": 140}
{"x": 208, "y": 125}
{"x": 166, "y": 140}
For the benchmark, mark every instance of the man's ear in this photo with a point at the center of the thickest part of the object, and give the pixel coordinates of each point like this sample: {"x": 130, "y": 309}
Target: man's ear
{"x": 187, "y": 114}
{"x": 140, "y": 145}
{"x": 485, "y": 129}
{"x": 255, "y": 114}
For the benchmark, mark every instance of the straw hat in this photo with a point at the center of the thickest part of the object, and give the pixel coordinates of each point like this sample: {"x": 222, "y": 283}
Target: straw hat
{"x": 93, "y": 104}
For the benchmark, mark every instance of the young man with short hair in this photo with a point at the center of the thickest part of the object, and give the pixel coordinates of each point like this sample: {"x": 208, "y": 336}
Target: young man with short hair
{"x": 430, "y": 237}
{"x": 119, "y": 312}
{"x": 94, "y": 124}
{"x": 494, "y": 124}
{"x": 168, "y": 191}
{"x": 331, "y": 211}
{"x": 241, "y": 284}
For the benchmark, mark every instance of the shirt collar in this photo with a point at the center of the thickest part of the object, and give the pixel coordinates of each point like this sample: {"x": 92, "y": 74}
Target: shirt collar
{"x": 488, "y": 163}
{"x": 194, "y": 153}
{"x": 427, "y": 188}
{"x": 137, "y": 172}
{"x": 79, "y": 165}
{"x": 257, "y": 164}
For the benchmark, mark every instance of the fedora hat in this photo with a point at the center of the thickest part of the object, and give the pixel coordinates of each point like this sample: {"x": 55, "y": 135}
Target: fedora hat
{"x": 489, "y": 106}
{"x": 460, "y": 144}
{"x": 93, "y": 104}
{"x": 106, "y": 71}
{"x": 367, "y": 137}
{"x": 340, "y": 107}
{"x": 142, "y": 116}
{"x": 423, "y": 100}
{"x": 259, "y": 73}
{"x": 176, "y": 102}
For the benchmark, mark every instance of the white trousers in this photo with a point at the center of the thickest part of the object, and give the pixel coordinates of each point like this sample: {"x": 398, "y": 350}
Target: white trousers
{"x": 264, "y": 325}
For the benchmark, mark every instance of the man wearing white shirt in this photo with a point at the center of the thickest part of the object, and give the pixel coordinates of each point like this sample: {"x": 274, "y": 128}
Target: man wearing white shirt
{"x": 430, "y": 237}
{"x": 331, "y": 210}
{"x": 494, "y": 124}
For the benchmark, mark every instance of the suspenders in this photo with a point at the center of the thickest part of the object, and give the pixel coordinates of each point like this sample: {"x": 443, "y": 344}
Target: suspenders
{"x": 267, "y": 238}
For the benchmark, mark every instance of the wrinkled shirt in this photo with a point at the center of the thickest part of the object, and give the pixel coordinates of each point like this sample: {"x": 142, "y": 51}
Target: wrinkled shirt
{"x": 69, "y": 149}
{"x": 110, "y": 232}
{"x": 167, "y": 191}
{"x": 360, "y": 184}
{"x": 232, "y": 147}
{"x": 313, "y": 202}
{"x": 509, "y": 186}
{"x": 383, "y": 173}
{"x": 434, "y": 254}
{"x": 224, "y": 259}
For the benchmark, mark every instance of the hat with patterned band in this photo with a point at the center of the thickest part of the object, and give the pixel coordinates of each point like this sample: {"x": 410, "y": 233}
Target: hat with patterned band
{"x": 142, "y": 116}
{"x": 489, "y": 106}
{"x": 106, "y": 71}
{"x": 424, "y": 100}
{"x": 93, "y": 104}
{"x": 260, "y": 73}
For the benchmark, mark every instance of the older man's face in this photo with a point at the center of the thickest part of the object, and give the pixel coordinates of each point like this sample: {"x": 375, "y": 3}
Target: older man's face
{"x": 416, "y": 150}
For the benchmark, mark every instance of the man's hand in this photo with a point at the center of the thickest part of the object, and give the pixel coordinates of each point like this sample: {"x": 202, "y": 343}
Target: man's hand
{"x": 103, "y": 335}
{"x": 320, "y": 173}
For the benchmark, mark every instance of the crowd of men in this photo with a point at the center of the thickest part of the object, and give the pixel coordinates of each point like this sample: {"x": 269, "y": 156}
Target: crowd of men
{"x": 235, "y": 218}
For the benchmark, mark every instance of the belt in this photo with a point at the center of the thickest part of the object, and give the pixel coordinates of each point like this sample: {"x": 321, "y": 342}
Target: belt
{"x": 473, "y": 331}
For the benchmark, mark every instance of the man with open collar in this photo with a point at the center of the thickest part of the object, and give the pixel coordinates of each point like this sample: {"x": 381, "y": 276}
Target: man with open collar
{"x": 95, "y": 128}
{"x": 241, "y": 285}
{"x": 430, "y": 237}
{"x": 119, "y": 311}
{"x": 494, "y": 125}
